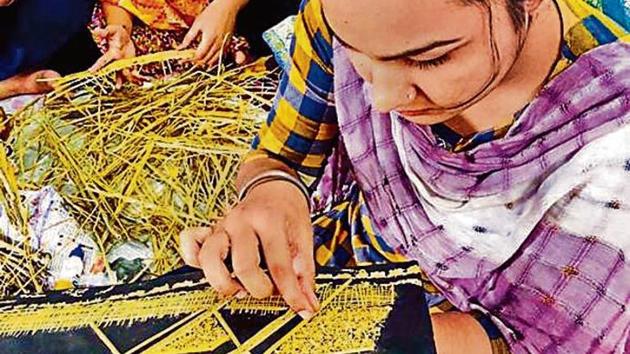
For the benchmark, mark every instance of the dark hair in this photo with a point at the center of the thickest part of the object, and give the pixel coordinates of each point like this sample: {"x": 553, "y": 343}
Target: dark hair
{"x": 515, "y": 8}
{"x": 517, "y": 12}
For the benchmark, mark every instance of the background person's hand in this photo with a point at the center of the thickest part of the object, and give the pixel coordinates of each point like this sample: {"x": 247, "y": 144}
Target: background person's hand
{"x": 275, "y": 218}
{"x": 28, "y": 83}
{"x": 215, "y": 25}
{"x": 119, "y": 46}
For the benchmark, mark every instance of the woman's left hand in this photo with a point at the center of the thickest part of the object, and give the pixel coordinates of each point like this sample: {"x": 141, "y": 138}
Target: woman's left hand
{"x": 215, "y": 25}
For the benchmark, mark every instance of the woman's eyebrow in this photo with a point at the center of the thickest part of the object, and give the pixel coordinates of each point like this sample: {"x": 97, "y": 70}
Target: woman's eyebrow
{"x": 407, "y": 53}
{"x": 393, "y": 57}
{"x": 420, "y": 50}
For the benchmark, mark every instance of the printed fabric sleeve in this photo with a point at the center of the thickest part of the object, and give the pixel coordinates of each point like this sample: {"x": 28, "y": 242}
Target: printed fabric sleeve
{"x": 301, "y": 128}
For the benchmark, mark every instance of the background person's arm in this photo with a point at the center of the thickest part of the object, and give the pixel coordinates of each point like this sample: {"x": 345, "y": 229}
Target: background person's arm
{"x": 117, "y": 16}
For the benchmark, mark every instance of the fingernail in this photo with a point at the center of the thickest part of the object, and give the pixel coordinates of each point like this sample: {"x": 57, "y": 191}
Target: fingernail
{"x": 306, "y": 315}
{"x": 241, "y": 294}
{"x": 315, "y": 302}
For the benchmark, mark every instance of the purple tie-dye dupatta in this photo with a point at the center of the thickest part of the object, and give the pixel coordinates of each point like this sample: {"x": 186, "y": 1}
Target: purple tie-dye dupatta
{"x": 391, "y": 157}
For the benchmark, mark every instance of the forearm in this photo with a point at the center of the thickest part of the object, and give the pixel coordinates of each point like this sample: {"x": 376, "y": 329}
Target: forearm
{"x": 235, "y": 5}
{"x": 456, "y": 332}
{"x": 115, "y": 15}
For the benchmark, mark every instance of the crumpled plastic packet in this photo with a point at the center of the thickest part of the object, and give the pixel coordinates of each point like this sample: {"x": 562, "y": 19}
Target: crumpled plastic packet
{"x": 279, "y": 38}
{"x": 130, "y": 260}
{"x": 74, "y": 256}
{"x": 14, "y": 104}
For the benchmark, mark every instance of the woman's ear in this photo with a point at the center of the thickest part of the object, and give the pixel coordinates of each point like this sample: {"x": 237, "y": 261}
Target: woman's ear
{"x": 531, "y": 6}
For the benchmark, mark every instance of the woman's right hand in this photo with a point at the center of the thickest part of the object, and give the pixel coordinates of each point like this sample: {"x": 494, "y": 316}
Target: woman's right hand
{"x": 274, "y": 218}
{"x": 119, "y": 46}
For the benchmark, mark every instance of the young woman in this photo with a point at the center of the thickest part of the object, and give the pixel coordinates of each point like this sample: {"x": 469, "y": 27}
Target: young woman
{"x": 488, "y": 140}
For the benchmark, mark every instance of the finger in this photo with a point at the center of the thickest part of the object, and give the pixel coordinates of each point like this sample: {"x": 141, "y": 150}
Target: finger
{"x": 115, "y": 43}
{"x": 119, "y": 81}
{"x": 204, "y": 47}
{"x": 211, "y": 258}
{"x": 304, "y": 262}
{"x": 50, "y": 74}
{"x": 101, "y": 33}
{"x": 212, "y": 57}
{"x": 216, "y": 51}
{"x": 126, "y": 74}
{"x": 190, "y": 36}
{"x": 282, "y": 270}
{"x": 246, "y": 261}
{"x": 106, "y": 32}
{"x": 139, "y": 76}
{"x": 240, "y": 57}
{"x": 102, "y": 61}
{"x": 304, "y": 266}
{"x": 284, "y": 276}
{"x": 133, "y": 76}
{"x": 190, "y": 241}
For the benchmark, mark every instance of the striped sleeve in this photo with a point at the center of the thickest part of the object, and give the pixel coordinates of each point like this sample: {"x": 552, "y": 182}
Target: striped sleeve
{"x": 301, "y": 128}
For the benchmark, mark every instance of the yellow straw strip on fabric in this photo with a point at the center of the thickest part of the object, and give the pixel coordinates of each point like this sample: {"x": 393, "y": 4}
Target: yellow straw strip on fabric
{"x": 68, "y": 316}
{"x": 226, "y": 327}
{"x": 108, "y": 343}
{"x": 146, "y": 304}
{"x": 177, "y": 324}
{"x": 326, "y": 302}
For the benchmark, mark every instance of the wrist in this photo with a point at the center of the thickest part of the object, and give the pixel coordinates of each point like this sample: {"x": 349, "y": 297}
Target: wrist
{"x": 275, "y": 176}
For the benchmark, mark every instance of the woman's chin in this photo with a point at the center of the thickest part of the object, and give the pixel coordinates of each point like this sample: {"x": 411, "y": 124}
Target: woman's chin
{"x": 426, "y": 118}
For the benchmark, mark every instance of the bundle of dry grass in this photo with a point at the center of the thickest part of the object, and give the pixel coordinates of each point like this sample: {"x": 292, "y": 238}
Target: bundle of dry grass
{"x": 142, "y": 162}
{"x": 21, "y": 268}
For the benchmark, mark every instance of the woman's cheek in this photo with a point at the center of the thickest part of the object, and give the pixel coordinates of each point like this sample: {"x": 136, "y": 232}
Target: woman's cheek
{"x": 456, "y": 81}
{"x": 361, "y": 65}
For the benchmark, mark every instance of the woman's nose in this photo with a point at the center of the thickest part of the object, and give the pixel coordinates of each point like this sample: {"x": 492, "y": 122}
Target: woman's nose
{"x": 391, "y": 89}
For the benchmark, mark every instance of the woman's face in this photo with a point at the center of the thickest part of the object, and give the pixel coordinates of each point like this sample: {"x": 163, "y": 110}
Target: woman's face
{"x": 423, "y": 56}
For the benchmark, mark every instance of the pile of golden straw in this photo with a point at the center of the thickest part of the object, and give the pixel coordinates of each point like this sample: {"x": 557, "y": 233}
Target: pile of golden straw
{"x": 141, "y": 163}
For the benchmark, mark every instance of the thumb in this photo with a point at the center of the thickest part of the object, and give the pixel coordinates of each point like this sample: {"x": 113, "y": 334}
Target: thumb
{"x": 190, "y": 241}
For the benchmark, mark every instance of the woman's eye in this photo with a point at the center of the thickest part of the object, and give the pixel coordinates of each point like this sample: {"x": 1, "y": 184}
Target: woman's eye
{"x": 427, "y": 64}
